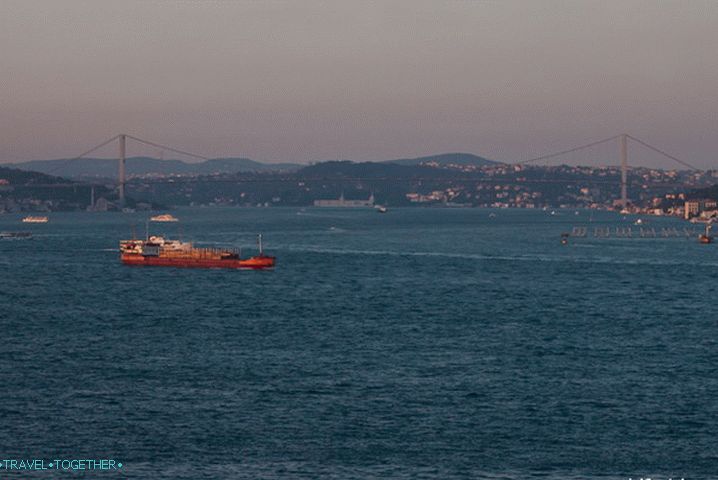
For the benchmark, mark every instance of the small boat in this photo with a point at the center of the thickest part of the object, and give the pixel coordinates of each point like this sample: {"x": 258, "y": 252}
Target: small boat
{"x": 706, "y": 237}
{"x": 564, "y": 238}
{"x": 381, "y": 209}
{"x": 166, "y": 217}
{"x": 640, "y": 221}
{"x": 32, "y": 219}
{"x": 15, "y": 235}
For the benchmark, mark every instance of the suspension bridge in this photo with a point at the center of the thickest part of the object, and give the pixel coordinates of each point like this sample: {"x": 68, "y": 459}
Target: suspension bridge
{"x": 623, "y": 154}
{"x": 621, "y": 139}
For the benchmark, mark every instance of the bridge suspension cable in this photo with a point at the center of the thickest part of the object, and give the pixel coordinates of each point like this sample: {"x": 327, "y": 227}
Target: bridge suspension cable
{"x": 593, "y": 144}
{"x": 623, "y": 137}
{"x": 564, "y": 152}
{"x": 175, "y": 150}
{"x": 667, "y": 155}
{"x": 66, "y": 162}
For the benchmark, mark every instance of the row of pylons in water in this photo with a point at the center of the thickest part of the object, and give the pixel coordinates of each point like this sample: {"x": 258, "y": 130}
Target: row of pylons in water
{"x": 628, "y": 232}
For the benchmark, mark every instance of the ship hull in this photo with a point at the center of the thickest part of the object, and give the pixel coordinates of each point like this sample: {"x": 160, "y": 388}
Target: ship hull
{"x": 252, "y": 263}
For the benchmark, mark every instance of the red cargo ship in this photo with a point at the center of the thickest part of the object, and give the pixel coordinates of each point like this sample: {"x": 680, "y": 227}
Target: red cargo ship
{"x": 159, "y": 252}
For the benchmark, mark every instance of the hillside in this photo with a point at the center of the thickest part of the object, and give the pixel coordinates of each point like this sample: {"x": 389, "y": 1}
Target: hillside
{"x": 14, "y": 176}
{"x": 705, "y": 193}
{"x": 446, "y": 159}
{"x": 23, "y": 191}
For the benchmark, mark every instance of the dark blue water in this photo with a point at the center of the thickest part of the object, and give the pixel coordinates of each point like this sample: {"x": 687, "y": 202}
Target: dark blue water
{"x": 424, "y": 343}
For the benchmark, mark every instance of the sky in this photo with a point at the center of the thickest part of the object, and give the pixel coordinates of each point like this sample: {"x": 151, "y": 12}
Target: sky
{"x": 304, "y": 81}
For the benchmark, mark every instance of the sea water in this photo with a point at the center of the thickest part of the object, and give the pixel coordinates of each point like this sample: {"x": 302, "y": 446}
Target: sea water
{"x": 420, "y": 343}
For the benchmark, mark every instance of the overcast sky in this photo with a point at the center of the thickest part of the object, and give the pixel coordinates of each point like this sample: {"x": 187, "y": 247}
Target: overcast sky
{"x": 305, "y": 80}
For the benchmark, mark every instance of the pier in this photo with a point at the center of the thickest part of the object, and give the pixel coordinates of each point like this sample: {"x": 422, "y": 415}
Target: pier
{"x": 582, "y": 231}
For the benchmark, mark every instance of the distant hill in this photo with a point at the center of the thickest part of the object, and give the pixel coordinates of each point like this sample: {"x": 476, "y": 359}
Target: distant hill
{"x": 407, "y": 167}
{"x": 367, "y": 170}
{"x": 445, "y": 159}
{"x": 107, "y": 167}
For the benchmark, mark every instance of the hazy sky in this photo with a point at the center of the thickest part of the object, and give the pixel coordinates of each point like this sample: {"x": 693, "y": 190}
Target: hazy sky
{"x": 308, "y": 80}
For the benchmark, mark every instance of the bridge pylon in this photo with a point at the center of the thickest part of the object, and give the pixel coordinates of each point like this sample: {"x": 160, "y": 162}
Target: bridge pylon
{"x": 121, "y": 173}
{"x": 623, "y": 143}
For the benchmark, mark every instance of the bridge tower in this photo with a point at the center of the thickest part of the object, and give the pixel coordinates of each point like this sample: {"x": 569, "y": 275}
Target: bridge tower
{"x": 623, "y": 142}
{"x": 121, "y": 173}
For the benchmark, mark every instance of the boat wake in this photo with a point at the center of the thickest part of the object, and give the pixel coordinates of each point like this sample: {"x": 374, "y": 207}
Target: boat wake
{"x": 503, "y": 258}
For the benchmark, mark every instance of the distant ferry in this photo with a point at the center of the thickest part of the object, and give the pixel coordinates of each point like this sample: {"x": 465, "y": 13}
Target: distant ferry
{"x": 160, "y": 252}
{"x": 703, "y": 220}
{"x": 164, "y": 218}
{"x": 15, "y": 235}
{"x": 31, "y": 219}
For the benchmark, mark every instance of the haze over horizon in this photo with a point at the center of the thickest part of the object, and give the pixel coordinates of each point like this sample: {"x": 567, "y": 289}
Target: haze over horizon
{"x": 309, "y": 81}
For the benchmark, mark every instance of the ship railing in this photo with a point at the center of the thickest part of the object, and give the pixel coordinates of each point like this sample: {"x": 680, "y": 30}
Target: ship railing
{"x": 201, "y": 253}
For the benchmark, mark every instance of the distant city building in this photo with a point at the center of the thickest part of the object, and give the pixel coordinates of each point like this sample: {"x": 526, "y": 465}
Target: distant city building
{"x": 691, "y": 208}
{"x": 706, "y": 208}
{"x": 101, "y": 205}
